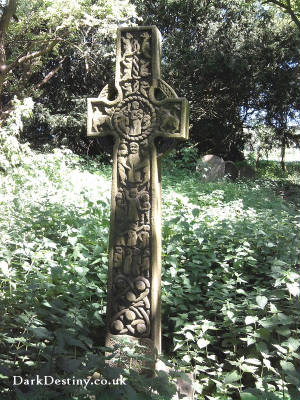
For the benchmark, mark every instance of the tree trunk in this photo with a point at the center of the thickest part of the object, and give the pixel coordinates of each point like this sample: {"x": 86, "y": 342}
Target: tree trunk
{"x": 8, "y": 12}
{"x": 283, "y": 147}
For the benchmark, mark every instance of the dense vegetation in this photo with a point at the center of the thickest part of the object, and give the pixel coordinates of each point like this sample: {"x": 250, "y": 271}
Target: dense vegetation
{"x": 230, "y": 278}
{"x": 236, "y": 62}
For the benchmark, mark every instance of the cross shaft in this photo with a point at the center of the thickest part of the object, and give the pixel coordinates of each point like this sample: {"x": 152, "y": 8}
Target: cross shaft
{"x": 140, "y": 108}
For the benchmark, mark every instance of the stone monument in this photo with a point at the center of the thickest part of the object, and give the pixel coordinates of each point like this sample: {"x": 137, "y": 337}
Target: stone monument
{"x": 136, "y": 110}
{"x": 215, "y": 167}
{"x": 231, "y": 170}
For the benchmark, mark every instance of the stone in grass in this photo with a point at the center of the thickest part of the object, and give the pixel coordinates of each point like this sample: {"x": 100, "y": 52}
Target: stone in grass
{"x": 214, "y": 167}
{"x": 184, "y": 384}
{"x": 231, "y": 170}
{"x": 246, "y": 172}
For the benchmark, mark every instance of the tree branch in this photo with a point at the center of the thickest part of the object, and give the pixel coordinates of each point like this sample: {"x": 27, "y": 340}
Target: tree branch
{"x": 26, "y": 57}
{"x": 51, "y": 73}
{"x": 287, "y": 7}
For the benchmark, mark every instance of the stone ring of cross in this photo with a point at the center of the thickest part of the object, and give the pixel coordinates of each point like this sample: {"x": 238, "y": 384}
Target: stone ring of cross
{"x": 134, "y": 117}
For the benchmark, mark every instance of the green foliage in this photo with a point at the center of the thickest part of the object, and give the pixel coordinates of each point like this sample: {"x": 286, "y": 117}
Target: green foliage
{"x": 230, "y": 59}
{"x": 53, "y": 251}
{"x": 272, "y": 170}
{"x": 11, "y": 151}
{"x": 62, "y": 52}
{"x": 231, "y": 286}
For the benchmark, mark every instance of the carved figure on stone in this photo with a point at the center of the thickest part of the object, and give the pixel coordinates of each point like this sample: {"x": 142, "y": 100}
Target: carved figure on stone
{"x": 132, "y": 238}
{"x": 144, "y": 69}
{"x": 144, "y": 207}
{"x": 146, "y": 121}
{"x": 127, "y": 261}
{"x": 122, "y": 166}
{"x": 127, "y": 88}
{"x": 118, "y": 257}
{"x": 120, "y": 240}
{"x": 121, "y": 120}
{"x": 127, "y": 68}
{"x": 121, "y": 211}
{"x": 127, "y": 44}
{"x": 98, "y": 119}
{"x": 136, "y": 261}
{"x": 144, "y": 87}
{"x": 146, "y": 51}
{"x": 169, "y": 120}
{"x": 133, "y": 205}
{"x": 136, "y": 46}
{"x": 145, "y": 266}
{"x": 144, "y": 164}
{"x": 134, "y": 175}
{"x": 144, "y": 237}
{"x": 136, "y": 119}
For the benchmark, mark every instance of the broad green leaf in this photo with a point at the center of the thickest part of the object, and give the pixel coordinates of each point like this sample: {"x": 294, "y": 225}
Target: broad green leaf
{"x": 195, "y": 212}
{"x": 251, "y": 319}
{"x": 248, "y": 368}
{"x": 293, "y": 344}
{"x": 280, "y": 348}
{"x": 261, "y": 301}
{"x": 4, "y": 268}
{"x": 230, "y": 315}
{"x": 293, "y": 288}
{"x": 202, "y": 343}
{"x": 283, "y": 331}
{"x": 267, "y": 363}
{"x": 231, "y": 377}
{"x": 186, "y": 358}
{"x": 40, "y": 332}
{"x": 288, "y": 367}
{"x": 253, "y": 361}
{"x": 189, "y": 336}
{"x": 249, "y": 396}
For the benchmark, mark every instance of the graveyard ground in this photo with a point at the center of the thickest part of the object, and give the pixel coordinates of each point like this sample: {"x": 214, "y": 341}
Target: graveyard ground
{"x": 230, "y": 290}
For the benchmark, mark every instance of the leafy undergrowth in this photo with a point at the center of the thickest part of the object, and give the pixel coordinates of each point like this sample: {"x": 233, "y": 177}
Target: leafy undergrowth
{"x": 273, "y": 170}
{"x": 54, "y": 219}
{"x": 231, "y": 286}
{"x": 230, "y": 283}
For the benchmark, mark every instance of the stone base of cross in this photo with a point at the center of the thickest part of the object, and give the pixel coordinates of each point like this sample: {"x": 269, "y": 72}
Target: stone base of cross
{"x": 140, "y": 108}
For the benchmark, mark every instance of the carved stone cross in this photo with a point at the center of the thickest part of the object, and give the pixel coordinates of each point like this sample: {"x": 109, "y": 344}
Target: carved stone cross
{"x": 139, "y": 108}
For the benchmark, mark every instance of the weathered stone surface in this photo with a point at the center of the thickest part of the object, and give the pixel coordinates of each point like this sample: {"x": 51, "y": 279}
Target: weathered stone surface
{"x": 231, "y": 170}
{"x": 215, "y": 167}
{"x": 132, "y": 114}
{"x": 184, "y": 384}
{"x": 246, "y": 172}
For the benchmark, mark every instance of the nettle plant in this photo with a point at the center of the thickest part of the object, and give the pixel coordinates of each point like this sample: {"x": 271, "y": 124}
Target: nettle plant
{"x": 11, "y": 151}
{"x": 230, "y": 282}
{"x": 231, "y": 288}
{"x": 54, "y": 219}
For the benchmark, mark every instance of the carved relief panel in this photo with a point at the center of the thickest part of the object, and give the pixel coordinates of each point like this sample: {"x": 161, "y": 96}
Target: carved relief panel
{"x": 133, "y": 119}
{"x": 138, "y": 109}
